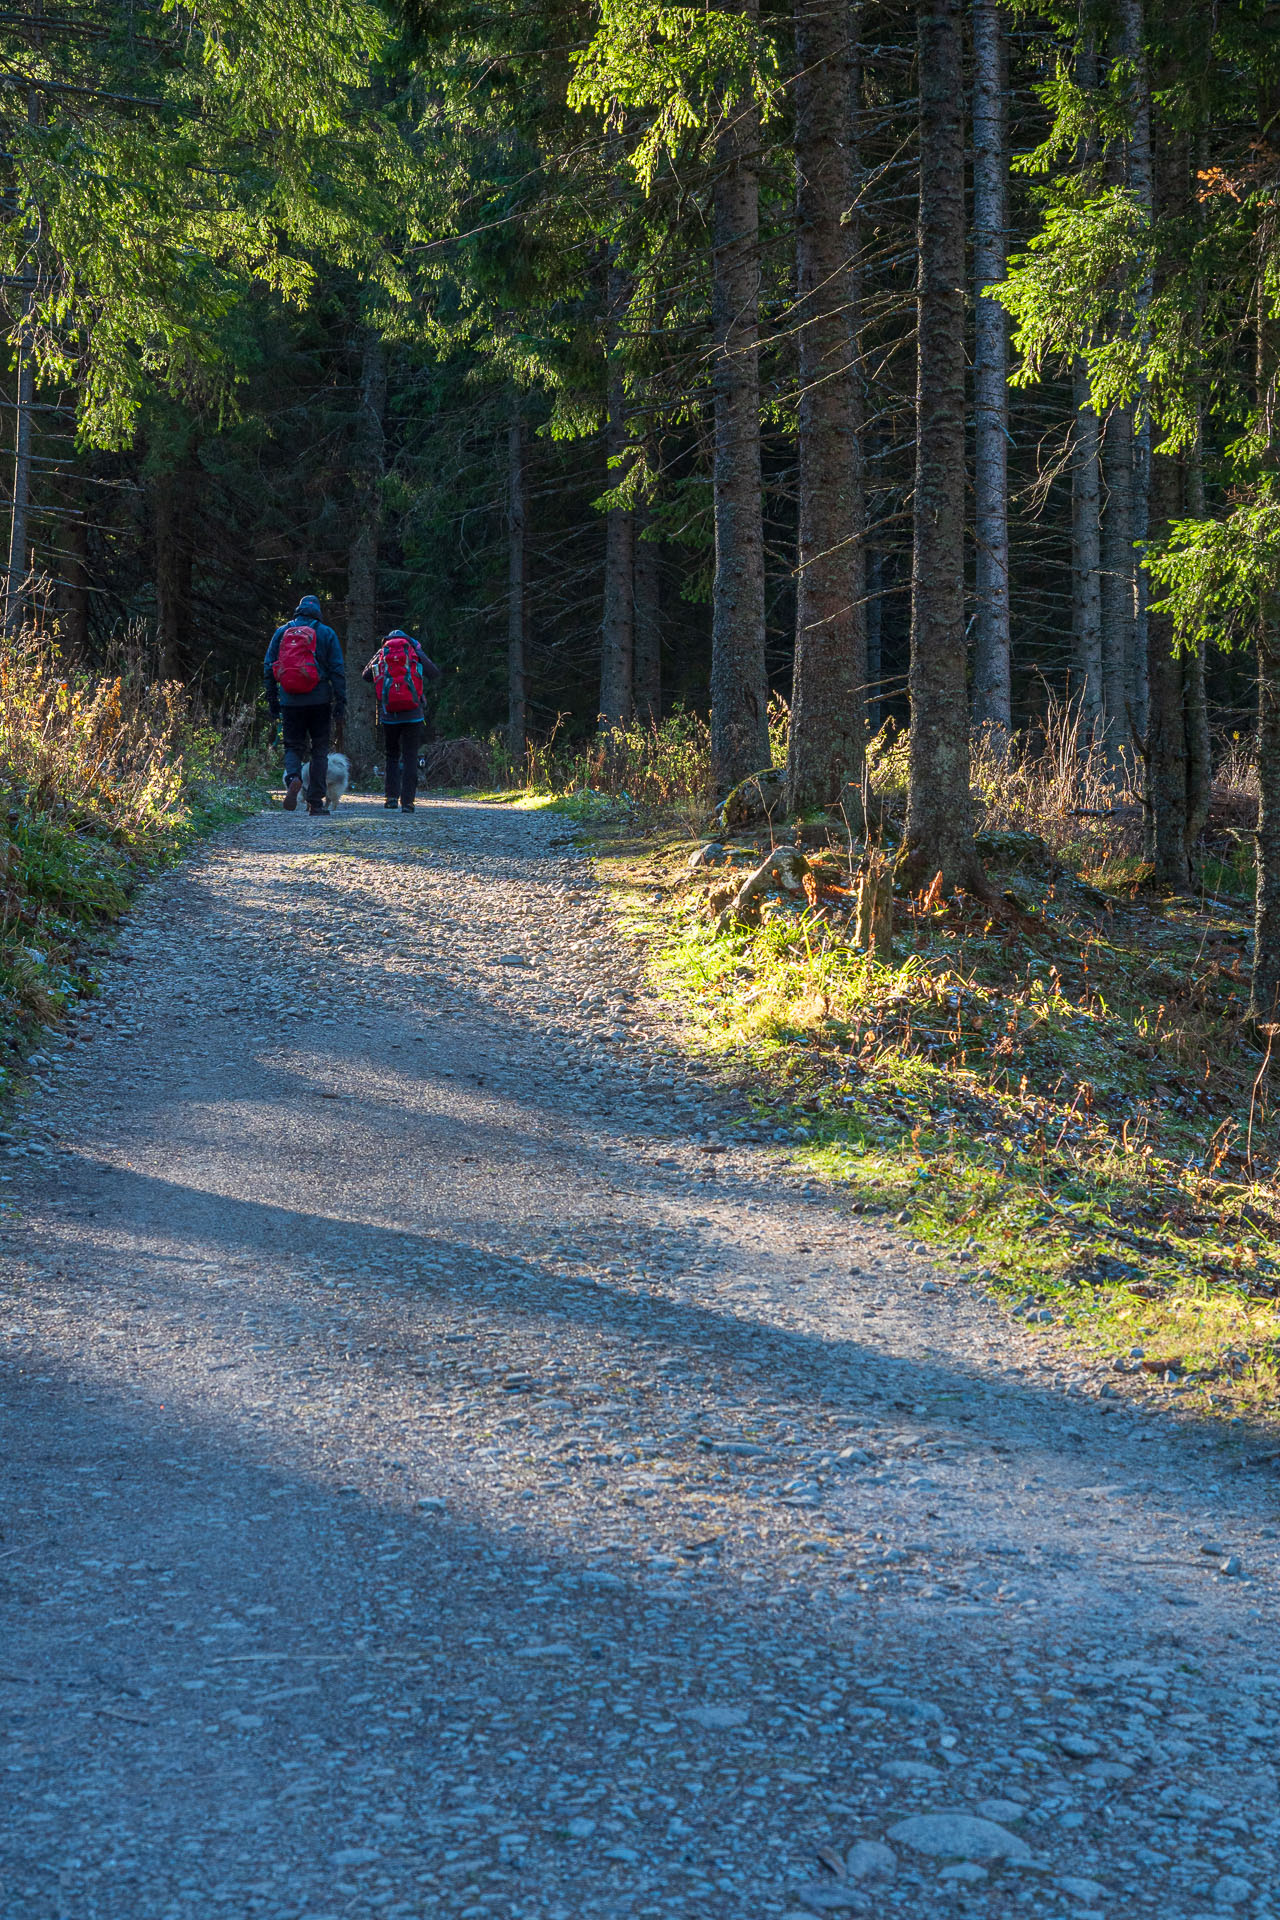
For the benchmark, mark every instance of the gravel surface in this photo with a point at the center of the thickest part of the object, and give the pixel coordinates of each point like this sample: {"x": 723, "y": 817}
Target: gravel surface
{"x": 437, "y": 1483}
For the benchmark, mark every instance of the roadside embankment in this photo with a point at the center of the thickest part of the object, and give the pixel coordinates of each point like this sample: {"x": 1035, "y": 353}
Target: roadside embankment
{"x": 1059, "y": 1096}
{"x": 104, "y": 776}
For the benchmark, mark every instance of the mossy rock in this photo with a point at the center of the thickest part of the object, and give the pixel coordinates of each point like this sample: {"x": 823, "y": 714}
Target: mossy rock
{"x": 758, "y": 797}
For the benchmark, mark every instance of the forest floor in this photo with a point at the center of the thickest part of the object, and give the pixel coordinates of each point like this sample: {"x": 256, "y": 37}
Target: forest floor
{"x": 1061, "y": 1098}
{"x": 451, "y": 1472}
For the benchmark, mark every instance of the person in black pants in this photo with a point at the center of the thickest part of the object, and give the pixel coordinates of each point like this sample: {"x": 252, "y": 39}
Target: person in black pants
{"x": 402, "y": 731}
{"x": 307, "y": 716}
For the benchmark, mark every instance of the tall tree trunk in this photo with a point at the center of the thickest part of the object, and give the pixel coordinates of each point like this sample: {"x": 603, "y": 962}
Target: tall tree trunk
{"x": 1168, "y": 723}
{"x": 1264, "y": 998}
{"x": 25, "y": 397}
{"x": 1199, "y": 756}
{"x": 19, "y": 554}
{"x": 1139, "y": 178}
{"x": 739, "y": 681}
{"x": 618, "y": 628}
{"x": 1086, "y": 584}
{"x": 939, "y": 831}
{"x": 875, "y": 636}
{"x": 1087, "y": 684}
{"x": 1166, "y": 744}
{"x": 1119, "y": 626}
{"x": 73, "y": 583}
{"x": 368, "y": 459}
{"x": 517, "y": 714}
{"x": 647, "y": 673}
{"x": 991, "y": 679}
{"x": 827, "y": 736}
{"x": 173, "y": 501}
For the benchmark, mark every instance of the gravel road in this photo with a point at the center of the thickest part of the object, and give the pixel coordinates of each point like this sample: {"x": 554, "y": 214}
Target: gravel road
{"x": 439, "y": 1484}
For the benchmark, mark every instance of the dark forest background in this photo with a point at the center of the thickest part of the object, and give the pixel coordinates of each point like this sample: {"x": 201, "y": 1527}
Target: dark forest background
{"x": 241, "y": 483}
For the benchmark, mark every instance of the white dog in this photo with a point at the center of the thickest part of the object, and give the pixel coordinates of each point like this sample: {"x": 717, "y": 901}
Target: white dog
{"x": 337, "y": 781}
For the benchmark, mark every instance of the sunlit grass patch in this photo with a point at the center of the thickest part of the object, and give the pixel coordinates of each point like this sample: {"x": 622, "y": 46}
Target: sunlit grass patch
{"x": 519, "y": 799}
{"x": 1059, "y": 1103}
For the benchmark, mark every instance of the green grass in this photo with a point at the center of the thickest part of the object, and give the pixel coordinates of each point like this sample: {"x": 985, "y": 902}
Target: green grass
{"x": 1060, "y": 1100}
{"x": 64, "y": 891}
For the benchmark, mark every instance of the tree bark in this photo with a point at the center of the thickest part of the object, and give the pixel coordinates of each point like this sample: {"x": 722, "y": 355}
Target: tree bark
{"x": 827, "y": 740}
{"x": 517, "y": 714}
{"x": 1140, "y": 180}
{"x": 939, "y": 830}
{"x": 1086, "y": 584}
{"x": 1264, "y": 1000}
{"x": 19, "y": 557}
{"x": 1170, "y": 726}
{"x": 1087, "y": 683}
{"x": 873, "y": 918}
{"x": 368, "y": 459}
{"x": 173, "y": 501}
{"x": 1199, "y": 754}
{"x": 19, "y": 567}
{"x": 1119, "y": 627}
{"x": 647, "y": 664}
{"x": 991, "y": 677}
{"x": 617, "y": 631}
{"x": 739, "y": 682}
{"x": 1166, "y": 742}
{"x": 875, "y": 636}
{"x": 73, "y": 583}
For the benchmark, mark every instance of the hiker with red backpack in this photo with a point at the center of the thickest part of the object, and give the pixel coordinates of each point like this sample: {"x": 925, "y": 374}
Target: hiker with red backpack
{"x": 307, "y": 692}
{"x": 399, "y": 671}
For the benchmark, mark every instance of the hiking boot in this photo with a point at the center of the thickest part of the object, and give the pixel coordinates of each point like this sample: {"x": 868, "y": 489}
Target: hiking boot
{"x": 320, "y": 812}
{"x": 292, "y": 789}
{"x": 406, "y": 806}
{"x": 391, "y": 805}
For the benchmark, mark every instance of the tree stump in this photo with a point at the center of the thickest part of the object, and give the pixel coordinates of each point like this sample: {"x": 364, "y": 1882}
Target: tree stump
{"x": 873, "y": 928}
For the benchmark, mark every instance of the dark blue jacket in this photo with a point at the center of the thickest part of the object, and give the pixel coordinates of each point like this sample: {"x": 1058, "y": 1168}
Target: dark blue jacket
{"x": 430, "y": 671}
{"x": 332, "y": 684}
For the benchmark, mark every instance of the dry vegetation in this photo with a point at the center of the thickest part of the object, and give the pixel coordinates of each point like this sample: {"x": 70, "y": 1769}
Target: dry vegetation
{"x": 102, "y": 776}
{"x": 1060, "y": 1093}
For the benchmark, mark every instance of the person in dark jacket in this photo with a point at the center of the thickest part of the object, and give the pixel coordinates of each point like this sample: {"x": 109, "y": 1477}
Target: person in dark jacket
{"x": 401, "y": 732}
{"x": 308, "y": 717}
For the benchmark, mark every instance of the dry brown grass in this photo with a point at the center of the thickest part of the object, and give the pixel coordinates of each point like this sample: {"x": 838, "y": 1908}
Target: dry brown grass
{"x": 102, "y": 776}
{"x": 111, "y": 754}
{"x": 1057, "y": 782}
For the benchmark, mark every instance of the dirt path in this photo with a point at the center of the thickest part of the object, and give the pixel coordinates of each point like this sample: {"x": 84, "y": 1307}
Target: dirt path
{"x": 436, "y": 1486}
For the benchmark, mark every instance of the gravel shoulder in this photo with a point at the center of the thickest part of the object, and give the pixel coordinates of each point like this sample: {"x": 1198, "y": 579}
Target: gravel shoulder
{"x": 448, "y": 1473}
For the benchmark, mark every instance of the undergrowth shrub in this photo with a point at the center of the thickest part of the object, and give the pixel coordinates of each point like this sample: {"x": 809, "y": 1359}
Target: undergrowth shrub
{"x": 1060, "y": 783}
{"x": 1051, "y": 780}
{"x": 102, "y": 775}
{"x": 657, "y": 766}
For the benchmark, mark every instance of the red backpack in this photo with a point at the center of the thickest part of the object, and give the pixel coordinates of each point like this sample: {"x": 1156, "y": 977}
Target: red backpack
{"x": 397, "y": 675}
{"x": 295, "y": 668}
